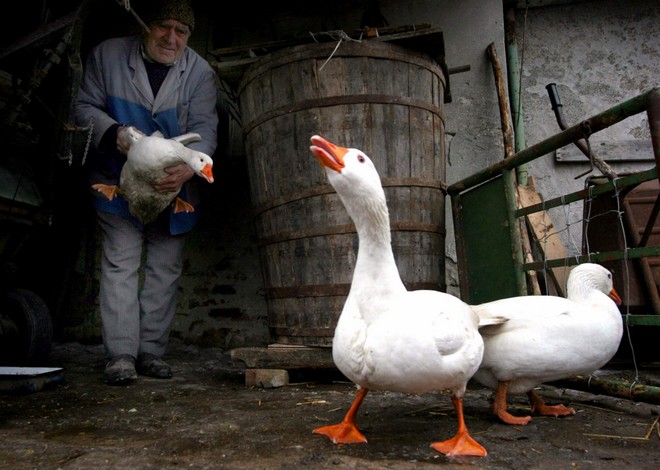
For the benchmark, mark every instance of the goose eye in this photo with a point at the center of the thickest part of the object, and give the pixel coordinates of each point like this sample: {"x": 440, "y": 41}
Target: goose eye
{"x": 361, "y": 159}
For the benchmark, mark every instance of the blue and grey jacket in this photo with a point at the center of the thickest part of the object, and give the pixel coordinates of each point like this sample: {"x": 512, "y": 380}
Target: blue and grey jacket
{"x": 115, "y": 90}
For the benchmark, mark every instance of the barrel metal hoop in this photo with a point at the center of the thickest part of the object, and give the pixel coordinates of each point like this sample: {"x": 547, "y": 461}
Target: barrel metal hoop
{"x": 284, "y": 237}
{"x": 323, "y": 189}
{"x": 306, "y": 105}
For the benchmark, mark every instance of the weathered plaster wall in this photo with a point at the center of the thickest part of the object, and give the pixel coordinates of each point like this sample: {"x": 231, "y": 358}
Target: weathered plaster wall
{"x": 473, "y": 135}
{"x": 599, "y": 53}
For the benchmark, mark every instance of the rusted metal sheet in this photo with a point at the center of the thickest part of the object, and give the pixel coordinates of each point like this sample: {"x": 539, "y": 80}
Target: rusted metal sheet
{"x": 639, "y": 277}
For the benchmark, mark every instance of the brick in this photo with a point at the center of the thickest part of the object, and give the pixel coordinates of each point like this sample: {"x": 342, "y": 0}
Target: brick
{"x": 266, "y": 378}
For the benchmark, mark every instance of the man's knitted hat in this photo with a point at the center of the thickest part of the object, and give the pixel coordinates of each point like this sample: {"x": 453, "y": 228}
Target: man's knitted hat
{"x": 180, "y": 10}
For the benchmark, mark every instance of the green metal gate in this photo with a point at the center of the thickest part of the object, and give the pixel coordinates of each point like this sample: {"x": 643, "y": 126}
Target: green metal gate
{"x": 486, "y": 214}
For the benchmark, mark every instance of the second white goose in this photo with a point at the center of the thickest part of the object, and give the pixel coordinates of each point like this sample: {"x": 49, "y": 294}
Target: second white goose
{"x": 549, "y": 338}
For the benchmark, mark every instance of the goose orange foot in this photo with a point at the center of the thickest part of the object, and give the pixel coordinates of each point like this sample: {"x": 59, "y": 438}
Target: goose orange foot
{"x": 108, "y": 190}
{"x": 539, "y": 406}
{"x": 346, "y": 432}
{"x": 182, "y": 206}
{"x": 500, "y": 406}
{"x": 461, "y": 443}
{"x": 508, "y": 418}
{"x": 342, "y": 433}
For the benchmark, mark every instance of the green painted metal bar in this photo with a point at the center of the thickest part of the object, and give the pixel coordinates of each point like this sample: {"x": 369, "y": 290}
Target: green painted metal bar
{"x": 513, "y": 67}
{"x": 642, "y": 320}
{"x": 517, "y": 175}
{"x": 579, "y": 131}
{"x": 630, "y": 253}
{"x": 649, "y": 101}
{"x": 653, "y": 113}
{"x": 609, "y": 186}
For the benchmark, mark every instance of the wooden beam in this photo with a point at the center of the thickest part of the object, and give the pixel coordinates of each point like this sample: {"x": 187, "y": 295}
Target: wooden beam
{"x": 545, "y": 235}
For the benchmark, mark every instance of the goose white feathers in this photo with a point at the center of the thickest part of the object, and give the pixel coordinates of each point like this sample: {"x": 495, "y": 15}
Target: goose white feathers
{"x": 388, "y": 338}
{"x": 146, "y": 161}
{"x": 549, "y": 338}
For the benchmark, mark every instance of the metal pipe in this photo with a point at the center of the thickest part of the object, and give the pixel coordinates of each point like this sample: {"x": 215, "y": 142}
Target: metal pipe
{"x": 581, "y": 130}
{"x": 616, "y": 388}
{"x": 602, "y": 256}
{"x": 653, "y": 112}
{"x": 621, "y": 183}
{"x": 514, "y": 74}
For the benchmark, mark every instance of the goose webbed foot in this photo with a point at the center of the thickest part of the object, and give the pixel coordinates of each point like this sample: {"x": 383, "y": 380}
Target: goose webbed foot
{"x": 539, "y": 406}
{"x": 108, "y": 190}
{"x": 462, "y": 443}
{"x": 182, "y": 206}
{"x": 346, "y": 432}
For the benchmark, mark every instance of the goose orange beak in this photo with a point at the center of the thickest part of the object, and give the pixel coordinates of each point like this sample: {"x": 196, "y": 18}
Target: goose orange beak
{"x": 207, "y": 172}
{"x": 328, "y": 154}
{"x": 615, "y": 296}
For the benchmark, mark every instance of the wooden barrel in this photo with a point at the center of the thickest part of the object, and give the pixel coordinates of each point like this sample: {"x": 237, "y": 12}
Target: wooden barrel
{"x": 381, "y": 98}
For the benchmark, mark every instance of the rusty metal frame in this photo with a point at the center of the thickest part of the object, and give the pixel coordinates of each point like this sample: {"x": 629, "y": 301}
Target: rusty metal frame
{"x": 649, "y": 102}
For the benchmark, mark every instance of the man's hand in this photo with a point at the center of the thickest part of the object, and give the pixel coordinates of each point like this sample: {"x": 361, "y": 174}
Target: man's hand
{"x": 176, "y": 176}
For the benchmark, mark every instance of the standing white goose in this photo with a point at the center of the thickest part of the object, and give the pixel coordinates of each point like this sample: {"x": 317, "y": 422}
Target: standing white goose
{"x": 146, "y": 161}
{"x": 549, "y": 338}
{"x": 388, "y": 338}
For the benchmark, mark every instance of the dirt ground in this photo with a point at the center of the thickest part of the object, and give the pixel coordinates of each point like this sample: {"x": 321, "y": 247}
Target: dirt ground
{"x": 205, "y": 417}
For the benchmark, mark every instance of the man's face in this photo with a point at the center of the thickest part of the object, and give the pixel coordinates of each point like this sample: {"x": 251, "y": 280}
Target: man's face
{"x": 166, "y": 41}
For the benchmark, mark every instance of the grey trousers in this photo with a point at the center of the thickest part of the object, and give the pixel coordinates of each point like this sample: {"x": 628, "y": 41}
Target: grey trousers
{"x": 137, "y": 311}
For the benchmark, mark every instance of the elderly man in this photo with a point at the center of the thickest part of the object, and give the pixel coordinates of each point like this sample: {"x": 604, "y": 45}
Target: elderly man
{"x": 153, "y": 82}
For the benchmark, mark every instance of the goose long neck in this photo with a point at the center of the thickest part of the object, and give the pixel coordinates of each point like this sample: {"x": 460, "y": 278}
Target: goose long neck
{"x": 375, "y": 259}
{"x": 373, "y": 226}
